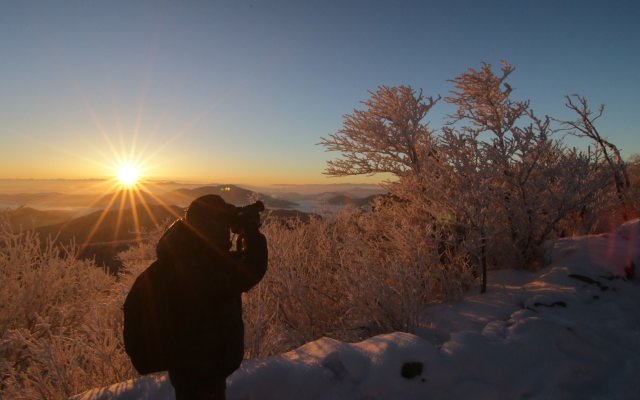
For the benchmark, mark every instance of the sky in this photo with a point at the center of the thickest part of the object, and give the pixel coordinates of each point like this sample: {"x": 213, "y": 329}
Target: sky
{"x": 243, "y": 91}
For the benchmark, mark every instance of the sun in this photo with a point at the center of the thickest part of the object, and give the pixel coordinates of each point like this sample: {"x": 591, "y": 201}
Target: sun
{"x": 128, "y": 175}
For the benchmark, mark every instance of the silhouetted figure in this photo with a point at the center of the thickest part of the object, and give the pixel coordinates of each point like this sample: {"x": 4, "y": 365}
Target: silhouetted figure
{"x": 200, "y": 306}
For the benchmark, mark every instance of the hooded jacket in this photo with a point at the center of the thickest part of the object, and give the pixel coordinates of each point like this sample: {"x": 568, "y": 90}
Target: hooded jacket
{"x": 204, "y": 286}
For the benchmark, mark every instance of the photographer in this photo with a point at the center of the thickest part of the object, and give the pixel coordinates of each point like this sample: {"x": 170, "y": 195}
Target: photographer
{"x": 206, "y": 281}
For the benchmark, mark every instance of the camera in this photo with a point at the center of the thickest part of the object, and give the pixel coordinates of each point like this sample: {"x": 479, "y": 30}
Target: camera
{"x": 247, "y": 219}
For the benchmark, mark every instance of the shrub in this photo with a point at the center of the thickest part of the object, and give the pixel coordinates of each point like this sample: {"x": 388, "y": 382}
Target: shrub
{"x": 59, "y": 320}
{"x": 348, "y": 277}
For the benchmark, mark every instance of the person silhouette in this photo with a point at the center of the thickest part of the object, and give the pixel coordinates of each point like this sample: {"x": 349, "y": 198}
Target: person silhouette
{"x": 205, "y": 282}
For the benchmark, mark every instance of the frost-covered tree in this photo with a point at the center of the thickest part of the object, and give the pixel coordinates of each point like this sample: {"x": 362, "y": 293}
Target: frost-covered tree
{"x": 584, "y": 126}
{"x": 633, "y": 168}
{"x": 492, "y": 181}
{"x": 483, "y": 100}
{"x": 530, "y": 182}
{"x": 388, "y": 136}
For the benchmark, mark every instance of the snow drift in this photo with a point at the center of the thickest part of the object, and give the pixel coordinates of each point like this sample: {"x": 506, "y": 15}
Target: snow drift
{"x": 568, "y": 331}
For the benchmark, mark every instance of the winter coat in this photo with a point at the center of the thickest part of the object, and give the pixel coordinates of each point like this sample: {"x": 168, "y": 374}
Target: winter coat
{"x": 204, "y": 303}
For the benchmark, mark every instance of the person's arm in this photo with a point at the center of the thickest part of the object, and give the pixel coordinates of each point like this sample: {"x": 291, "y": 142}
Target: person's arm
{"x": 247, "y": 268}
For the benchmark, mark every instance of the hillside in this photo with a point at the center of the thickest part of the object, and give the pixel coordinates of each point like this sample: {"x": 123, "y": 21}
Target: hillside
{"x": 102, "y": 234}
{"x": 25, "y": 218}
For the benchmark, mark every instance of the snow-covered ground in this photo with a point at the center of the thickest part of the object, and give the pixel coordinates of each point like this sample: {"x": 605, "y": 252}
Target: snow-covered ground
{"x": 569, "y": 331}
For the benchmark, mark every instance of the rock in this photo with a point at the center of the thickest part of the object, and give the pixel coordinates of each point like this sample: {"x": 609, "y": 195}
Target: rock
{"x": 411, "y": 369}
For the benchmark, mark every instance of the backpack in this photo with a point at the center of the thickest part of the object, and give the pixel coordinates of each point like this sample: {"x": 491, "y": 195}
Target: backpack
{"x": 146, "y": 326}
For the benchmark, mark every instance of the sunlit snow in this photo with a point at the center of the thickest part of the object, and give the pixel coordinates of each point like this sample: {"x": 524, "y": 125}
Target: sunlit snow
{"x": 568, "y": 331}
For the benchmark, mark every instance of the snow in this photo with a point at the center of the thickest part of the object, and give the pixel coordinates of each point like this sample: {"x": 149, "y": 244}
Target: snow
{"x": 568, "y": 331}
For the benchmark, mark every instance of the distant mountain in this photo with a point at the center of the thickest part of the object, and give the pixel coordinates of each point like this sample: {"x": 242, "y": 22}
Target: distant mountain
{"x": 284, "y": 215}
{"x": 46, "y": 200}
{"x": 327, "y": 202}
{"x": 26, "y": 218}
{"x": 344, "y": 200}
{"x": 230, "y": 193}
{"x": 126, "y": 199}
{"x": 292, "y": 191}
{"x": 118, "y": 218}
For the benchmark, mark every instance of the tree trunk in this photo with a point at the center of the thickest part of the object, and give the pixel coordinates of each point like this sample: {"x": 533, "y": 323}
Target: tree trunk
{"x": 483, "y": 255}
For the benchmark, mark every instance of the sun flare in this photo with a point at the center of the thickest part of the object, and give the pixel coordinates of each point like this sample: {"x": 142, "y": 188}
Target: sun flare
{"x": 128, "y": 175}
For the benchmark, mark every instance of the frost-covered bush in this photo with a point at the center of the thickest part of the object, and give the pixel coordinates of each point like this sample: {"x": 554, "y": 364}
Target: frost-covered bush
{"x": 59, "y": 321}
{"x": 348, "y": 277}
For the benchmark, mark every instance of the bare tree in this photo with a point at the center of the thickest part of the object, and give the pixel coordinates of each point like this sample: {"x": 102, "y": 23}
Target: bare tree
{"x": 389, "y": 136}
{"x": 584, "y": 126}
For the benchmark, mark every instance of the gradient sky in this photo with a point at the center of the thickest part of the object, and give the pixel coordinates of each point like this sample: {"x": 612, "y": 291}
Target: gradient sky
{"x": 242, "y": 91}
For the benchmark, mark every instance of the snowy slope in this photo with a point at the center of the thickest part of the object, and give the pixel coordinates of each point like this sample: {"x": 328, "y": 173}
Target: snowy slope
{"x": 569, "y": 331}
